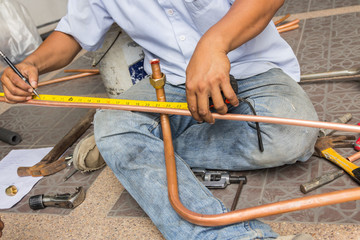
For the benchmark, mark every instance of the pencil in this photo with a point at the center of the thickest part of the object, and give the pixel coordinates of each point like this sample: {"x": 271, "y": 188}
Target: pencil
{"x": 7, "y": 60}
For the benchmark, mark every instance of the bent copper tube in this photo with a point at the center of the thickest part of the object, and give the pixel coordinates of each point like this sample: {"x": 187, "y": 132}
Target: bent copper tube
{"x": 239, "y": 215}
{"x": 67, "y": 78}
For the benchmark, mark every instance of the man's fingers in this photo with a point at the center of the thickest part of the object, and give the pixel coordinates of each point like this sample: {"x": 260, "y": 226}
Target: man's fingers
{"x": 230, "y": 95}
{"x": 11, "y": 98}
{"x": 32, "y": 76}
{"x": 12, "y": 81}
{"x": 204, "y": 108}
{"x": 218, "y": 101}
{"x": 13, "y": 88}
{"x": 192, "y": 105}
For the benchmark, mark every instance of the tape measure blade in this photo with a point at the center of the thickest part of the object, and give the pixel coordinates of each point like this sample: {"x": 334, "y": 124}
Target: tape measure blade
{"x": 115, "y": 101}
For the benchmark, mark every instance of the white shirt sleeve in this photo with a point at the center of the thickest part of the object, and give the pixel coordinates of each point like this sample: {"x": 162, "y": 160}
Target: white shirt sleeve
{"x": 87, "y": 21}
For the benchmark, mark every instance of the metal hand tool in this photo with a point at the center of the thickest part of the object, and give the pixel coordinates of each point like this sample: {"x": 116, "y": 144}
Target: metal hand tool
{"x": 71, "y": 137}
{"x": 217, "y": 179}
{"x": 7, "y": 60}
{"x": 342, "y": 75}
{"x": 220, "y": 179}
{"x": 357, "y": 143}
{"x": 326, "y": 178}
{"x": 70, "y": 173}
{"x": 324, "y": 148}
{"x": 334, "y": 142}
{"x": 238, "y": 192}
{"x": 343, "y": 119}
{"x": 53, "y": 167}
{"x": 66, "y": 200}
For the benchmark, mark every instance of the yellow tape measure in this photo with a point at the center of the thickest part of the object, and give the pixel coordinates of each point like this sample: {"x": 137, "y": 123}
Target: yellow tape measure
{"x": 114, "y": 101}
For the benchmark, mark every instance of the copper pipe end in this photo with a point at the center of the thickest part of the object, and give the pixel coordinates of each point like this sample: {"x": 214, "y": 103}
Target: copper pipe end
{"x": 155, "y": 68}
{"x": 288, "y": 28}
{"x": 282, "y": 19}
{"x": 354, "y": 157}
{"x": 286, "y": 25}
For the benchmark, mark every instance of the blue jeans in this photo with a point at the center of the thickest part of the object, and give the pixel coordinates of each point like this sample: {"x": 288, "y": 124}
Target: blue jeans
{"x": 131, "y": 144}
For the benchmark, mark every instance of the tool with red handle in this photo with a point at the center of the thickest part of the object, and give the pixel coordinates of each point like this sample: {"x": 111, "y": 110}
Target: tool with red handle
{"x": 357, "y": 143}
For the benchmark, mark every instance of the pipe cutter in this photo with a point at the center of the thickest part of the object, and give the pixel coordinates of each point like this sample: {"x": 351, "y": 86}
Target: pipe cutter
{"x": 217, "y": 179}
{"x": 65, "y": 200}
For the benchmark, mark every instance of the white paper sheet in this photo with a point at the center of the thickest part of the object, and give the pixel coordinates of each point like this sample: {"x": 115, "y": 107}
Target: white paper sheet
{"x": 8, "y": 174}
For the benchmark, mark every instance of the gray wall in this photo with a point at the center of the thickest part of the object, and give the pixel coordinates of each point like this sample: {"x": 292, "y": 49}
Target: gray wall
{"x": 45, "y": 11}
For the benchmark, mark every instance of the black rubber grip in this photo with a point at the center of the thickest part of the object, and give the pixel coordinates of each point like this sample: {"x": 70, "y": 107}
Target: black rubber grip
{"x": 36, "y": 202}
{"x": 356, "y": 173}
{"x": 9, "y": 137}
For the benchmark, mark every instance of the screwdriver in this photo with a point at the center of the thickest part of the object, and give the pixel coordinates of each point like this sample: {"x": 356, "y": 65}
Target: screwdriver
{"x": 7, "y": 60}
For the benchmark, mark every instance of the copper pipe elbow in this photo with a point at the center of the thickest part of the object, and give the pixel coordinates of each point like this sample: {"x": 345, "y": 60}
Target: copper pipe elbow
{"x": 239, "y": 215}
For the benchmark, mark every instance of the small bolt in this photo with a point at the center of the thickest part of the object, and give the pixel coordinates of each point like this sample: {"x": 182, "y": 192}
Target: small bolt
{"x": 11, "y": 191}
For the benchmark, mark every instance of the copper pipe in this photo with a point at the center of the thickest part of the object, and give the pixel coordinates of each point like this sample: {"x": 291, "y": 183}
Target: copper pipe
{"x": 97, "y": 71}
{"x": 282, "y": 19}
{"x": 293, "y": 27}
{"x": 286, "y": 25}
{"x": 243, "y": 214}
{"x": 233, "y": 117}
{"x": 354, "y": 157}
{"x": 67, "y": 78}
{"x": 239, "y": 215}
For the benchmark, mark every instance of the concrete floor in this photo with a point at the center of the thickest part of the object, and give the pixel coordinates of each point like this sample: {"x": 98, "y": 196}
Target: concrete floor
{"x": 91, "y": 219}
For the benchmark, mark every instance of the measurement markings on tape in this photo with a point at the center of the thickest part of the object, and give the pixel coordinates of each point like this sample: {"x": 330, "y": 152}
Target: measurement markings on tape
{"x": 79, "y": 99}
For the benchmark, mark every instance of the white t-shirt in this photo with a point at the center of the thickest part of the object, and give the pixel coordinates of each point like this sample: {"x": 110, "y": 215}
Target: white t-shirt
{"x": 170, "y": 30}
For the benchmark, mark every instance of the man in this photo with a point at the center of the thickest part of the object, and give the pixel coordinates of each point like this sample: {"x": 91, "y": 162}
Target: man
{"x": 199, "y": 44}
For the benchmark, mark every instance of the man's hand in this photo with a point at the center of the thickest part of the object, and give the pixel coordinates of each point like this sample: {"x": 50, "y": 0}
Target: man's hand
{"x": 15, "y": 89}
{"x": 207, "y": 75}
{"x": 57, "y": 51}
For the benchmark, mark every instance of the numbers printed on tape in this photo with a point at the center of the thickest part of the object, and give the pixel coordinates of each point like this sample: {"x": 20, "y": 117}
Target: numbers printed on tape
{"x": 79, "y": 99}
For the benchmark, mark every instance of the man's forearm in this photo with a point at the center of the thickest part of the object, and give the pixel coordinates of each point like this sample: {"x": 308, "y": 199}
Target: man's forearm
{"x": 244, "y": 21}
{"x": 57, "y": 51}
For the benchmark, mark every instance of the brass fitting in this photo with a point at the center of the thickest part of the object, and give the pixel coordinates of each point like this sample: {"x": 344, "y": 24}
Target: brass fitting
{"x": 11, "y": 190}
{"x": 158, "y": 82}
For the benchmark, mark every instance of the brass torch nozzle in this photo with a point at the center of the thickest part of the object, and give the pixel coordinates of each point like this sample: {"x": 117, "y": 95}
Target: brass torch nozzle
{"x": 157, "y": 79}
